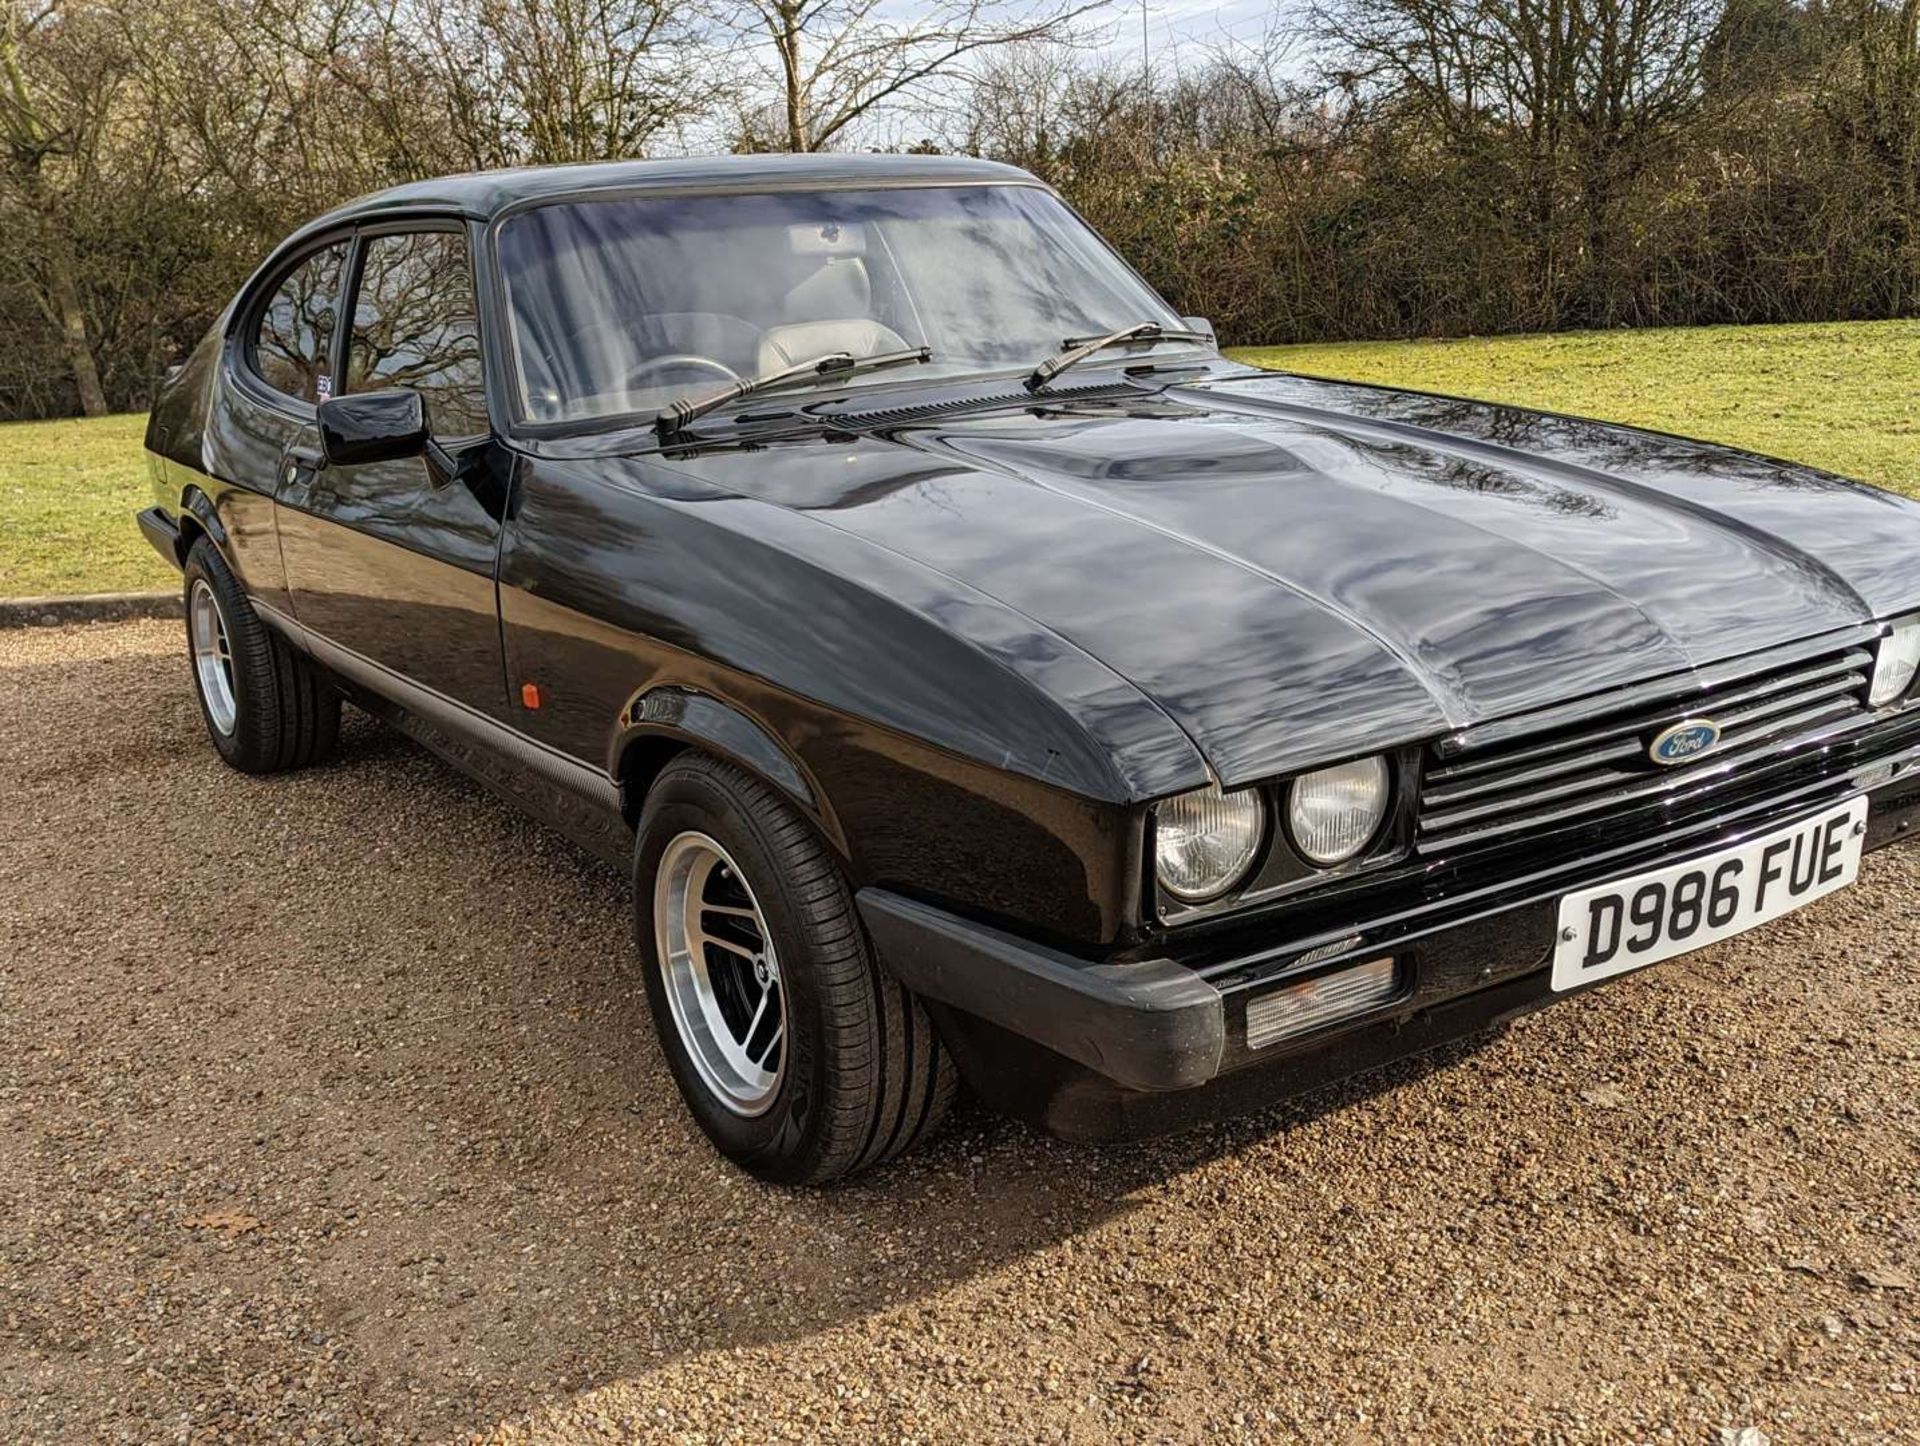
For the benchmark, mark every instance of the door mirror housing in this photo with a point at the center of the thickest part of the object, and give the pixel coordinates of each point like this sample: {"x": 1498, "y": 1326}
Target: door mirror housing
{"x": 373, "y": 427}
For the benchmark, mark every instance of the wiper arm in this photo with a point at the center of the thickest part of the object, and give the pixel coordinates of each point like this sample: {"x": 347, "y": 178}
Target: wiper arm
{"x": 838, "y": 363}
{"x": 1079, "y": 348}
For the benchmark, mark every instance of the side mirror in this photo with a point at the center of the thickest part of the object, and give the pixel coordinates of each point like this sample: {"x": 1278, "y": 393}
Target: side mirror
{"x": 1200, "y": 323}
{"x": 373, "y": 427}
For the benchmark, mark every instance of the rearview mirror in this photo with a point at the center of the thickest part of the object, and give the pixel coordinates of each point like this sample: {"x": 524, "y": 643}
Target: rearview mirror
{"x": 373, "y": 427}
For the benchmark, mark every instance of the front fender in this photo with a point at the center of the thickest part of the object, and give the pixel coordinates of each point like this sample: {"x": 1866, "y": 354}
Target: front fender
{"x": 718, "y": 727}
{"x": 947, "y": 748}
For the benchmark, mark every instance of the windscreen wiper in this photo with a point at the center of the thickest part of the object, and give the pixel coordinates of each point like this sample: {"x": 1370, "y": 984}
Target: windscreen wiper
{"x": 1078, "y": 348}
{"x": 833, "y": 364}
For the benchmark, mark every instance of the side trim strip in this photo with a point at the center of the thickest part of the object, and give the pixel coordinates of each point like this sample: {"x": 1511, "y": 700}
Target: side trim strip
{"x": 580, "y": 779}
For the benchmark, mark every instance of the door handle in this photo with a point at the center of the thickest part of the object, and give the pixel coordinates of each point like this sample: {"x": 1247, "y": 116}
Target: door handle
{"x": 300, "y": 460}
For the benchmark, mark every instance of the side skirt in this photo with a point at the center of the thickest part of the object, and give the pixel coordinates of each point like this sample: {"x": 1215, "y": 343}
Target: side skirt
{"x": 572, "y": 797}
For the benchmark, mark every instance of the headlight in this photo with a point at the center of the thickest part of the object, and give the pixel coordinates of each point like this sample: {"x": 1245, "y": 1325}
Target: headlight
{"x": 1333, "y": 813}
{"x": 1895, "y": 664}
{"x": 1205, "y": 840}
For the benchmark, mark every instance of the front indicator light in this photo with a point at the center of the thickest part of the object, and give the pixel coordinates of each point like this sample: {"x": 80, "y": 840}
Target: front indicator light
{"x": 1896, "y": 662}
{"x": 1204, "y": 841}
{"x": 1333, "y": 813}
{"x": 1298, "y": 1008}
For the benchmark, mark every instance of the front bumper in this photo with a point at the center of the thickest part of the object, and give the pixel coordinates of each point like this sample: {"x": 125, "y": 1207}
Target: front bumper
{"x": 1109, "y": 1050}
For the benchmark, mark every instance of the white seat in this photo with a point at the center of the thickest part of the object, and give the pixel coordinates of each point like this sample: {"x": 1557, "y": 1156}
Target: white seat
{"x": 804, "y": 341}
{"x": 830, "y": 309}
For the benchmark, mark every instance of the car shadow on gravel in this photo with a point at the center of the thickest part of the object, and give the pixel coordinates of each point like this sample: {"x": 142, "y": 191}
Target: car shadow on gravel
{"x": 597, "y": 1234}
{"x": 603, "y": 1235}
{"x": 345, "y": 1079}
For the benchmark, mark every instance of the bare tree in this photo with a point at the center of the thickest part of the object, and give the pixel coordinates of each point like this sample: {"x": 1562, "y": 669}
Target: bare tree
{"x": 1455, "y": 166}
{"x": 593, "y": 79}
{"x": 1874, "y": 102}
{"x": 1026, "y": 105}
{"x": 834, "y": 63}
{"x": 57, "y": 92}
{"x": 1582, "y": 97}
{"x": 1248, "y": 96}
{"x": 501, "y": 82}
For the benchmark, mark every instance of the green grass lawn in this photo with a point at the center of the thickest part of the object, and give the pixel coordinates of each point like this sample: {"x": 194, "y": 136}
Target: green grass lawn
{"x": 68, "y": 492}
{"x": 1845, "y": 396}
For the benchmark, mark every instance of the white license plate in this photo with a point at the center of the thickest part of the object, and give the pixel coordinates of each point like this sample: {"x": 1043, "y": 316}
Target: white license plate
{"x": 1631, "y": 923}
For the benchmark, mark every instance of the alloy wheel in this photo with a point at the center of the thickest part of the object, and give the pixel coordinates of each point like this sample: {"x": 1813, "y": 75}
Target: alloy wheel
{"x": 721, "y": 973}
{"x": 212, "y": 657}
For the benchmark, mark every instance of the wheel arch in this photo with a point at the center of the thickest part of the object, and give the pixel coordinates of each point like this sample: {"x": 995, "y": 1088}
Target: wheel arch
{"x": 199, "y": 518}
{"x": 660, "y": 723}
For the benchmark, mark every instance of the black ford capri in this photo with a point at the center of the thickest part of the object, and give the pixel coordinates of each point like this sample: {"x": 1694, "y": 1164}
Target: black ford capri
{"x": 982, "y": 678}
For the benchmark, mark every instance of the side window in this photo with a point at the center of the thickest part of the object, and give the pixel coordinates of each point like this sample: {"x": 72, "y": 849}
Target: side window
{"x": 414, "y": 326}
{"x": 293, "y": 346}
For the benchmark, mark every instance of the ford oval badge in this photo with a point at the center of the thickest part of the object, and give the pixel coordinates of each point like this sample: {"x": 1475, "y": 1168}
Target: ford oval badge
{"x": 1684, "y": 741}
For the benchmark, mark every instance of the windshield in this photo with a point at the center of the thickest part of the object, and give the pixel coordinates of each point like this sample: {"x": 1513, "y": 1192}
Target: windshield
{"x": 623, "y": 306}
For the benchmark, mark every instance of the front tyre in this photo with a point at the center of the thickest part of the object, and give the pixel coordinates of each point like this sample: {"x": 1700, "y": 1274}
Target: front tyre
{"x": 266, "y": 707}
{"x": 801, "y": 1058}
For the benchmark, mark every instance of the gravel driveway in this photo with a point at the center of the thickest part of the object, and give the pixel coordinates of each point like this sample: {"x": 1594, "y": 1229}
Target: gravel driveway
{"x": 332, "y": 1112}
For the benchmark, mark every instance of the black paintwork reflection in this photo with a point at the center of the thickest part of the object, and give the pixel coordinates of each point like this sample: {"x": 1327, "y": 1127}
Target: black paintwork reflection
{"x": 396, "y": 564}
{"x": 1290, "y": 585}
{"x": 394, "y": 559}
{"x": 761, "y": 589}
{"x": 928, "y": 752}
{"x": 233, "y": 461}
{"x": 1808, "y": 521}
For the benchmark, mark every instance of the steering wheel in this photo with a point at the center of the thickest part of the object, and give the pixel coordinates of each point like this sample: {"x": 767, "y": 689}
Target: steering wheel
{"x": 676, "y": 359}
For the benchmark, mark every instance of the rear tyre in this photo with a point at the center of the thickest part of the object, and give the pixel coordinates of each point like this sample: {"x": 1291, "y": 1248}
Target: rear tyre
{"x": 802, "y": 1059}
{"x": 266, "y": 707}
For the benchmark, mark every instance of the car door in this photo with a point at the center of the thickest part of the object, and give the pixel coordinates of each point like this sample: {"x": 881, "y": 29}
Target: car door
{"x": 279, "y": 367}
{"x": 394, "y": 561}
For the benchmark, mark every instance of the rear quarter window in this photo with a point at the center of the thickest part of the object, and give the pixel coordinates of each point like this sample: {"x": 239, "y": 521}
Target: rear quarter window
{"x": 292, "y": 342}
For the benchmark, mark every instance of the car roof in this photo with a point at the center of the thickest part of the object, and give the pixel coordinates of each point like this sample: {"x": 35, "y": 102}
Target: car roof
{"x": 482, "y": 195}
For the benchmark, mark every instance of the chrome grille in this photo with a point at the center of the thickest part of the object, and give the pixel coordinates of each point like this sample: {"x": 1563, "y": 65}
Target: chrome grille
{"x": 1509, "y": 779}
